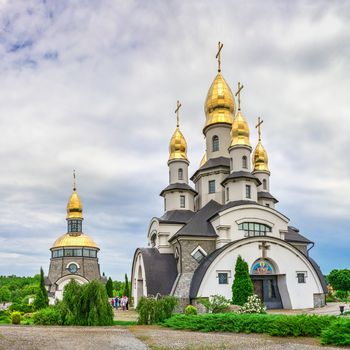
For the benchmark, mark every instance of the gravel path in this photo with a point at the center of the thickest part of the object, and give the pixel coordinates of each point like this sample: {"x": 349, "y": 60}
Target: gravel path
{"x": 72, "y": 338}
{"x": 167, "y": 339}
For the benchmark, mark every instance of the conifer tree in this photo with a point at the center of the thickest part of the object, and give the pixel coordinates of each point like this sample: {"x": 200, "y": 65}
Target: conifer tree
{"x": 242, "y": 286}
{"x": 41, "y": 299}
{"x": 126, "y": 287}
{"x": 109, "y": 287}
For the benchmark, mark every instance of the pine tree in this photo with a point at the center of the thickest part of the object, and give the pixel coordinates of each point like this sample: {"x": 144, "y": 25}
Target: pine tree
{"x": 109, "y": 287}
{"x": 242, "y": 286}
{"x": 126, "y": 291}
{"x": 41, "y": 299}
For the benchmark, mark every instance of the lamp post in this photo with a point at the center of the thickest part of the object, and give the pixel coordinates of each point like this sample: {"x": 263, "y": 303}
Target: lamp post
{"x": 341, "y": 308}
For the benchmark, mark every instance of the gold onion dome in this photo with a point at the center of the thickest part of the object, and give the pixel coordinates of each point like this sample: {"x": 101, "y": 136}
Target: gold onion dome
{"x": 240, "y": 131}
{"x": 178, "y": 146}
{"x": 260, "y": 158}
{"x": 74, "y": 207}
{"x": 81, "y": 240}
{"x": 204, "y": 159}
{"x": 219, "y": 105}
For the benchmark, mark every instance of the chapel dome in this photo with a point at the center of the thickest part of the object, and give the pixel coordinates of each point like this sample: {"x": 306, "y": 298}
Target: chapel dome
{"x": 79, "y": 240}
{"x": 240, "y": 131}
{"x": 219, "y": 105}
{"x": 260, "y": 158}
{"x": 178, "y": 146}
{"x": 74, "y": 207}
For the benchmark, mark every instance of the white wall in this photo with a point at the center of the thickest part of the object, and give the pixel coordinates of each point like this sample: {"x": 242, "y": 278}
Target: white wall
{"x": 223, "y": 131}
{"x": 174, "y": 166}
{"x": 236, "y": 155}
{"x": 288, "y": 261}
{"x": 173, "y": 200}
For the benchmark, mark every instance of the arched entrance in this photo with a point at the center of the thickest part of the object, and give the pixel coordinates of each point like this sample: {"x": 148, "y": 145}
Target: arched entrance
{"x": 139, "y": 288}
{"x": 264, "y": 277}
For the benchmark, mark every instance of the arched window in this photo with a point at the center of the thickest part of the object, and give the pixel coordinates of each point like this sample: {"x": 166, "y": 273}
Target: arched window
{"x": 254, "y": 229}
{"x": 264, "y": 184}
{"x": 180, "y": 174}
{"x": 244, "y": 162}
{"x": 215, "y": 143}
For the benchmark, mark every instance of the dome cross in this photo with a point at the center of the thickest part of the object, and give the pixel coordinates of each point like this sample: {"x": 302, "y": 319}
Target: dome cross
{"x": 258, "y": 127}
{"x": 178, "y": 105}
{"x": 220, "y": 46}
{"x": 74, "y": 181}
{"x": 238, "y": 94}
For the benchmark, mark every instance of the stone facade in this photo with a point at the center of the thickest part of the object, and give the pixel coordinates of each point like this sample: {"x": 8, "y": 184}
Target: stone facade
{"x": 319, "y": 300}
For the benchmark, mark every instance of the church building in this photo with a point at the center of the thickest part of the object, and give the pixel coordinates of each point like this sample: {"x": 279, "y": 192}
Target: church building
{"x": 230, "y": 211}
{"x": 74, "y": 254}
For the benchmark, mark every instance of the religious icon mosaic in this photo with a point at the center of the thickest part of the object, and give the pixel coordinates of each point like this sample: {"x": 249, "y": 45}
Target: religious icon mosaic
{"x": 262, "y": 267}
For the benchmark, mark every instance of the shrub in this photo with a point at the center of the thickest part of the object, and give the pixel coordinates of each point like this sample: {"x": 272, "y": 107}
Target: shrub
{"x": 191, "y": 310}
{"x": 109, "y": 287}
{"x": 21, "y": 307}
{"x": 41, "y": 299}
{"x": 153, "y": 311}
{"x": 16, "y": 317}
{"x": 242, "y": 286}
{"x": 48, "y": 316}
{"x": 338, "y": 333}
{"x": 253, "y": 306}
{"x": 215, "y": 304}
{"x": 342, "y": 295}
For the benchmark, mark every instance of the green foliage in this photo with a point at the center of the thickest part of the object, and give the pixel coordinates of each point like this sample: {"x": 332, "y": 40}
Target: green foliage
{"x": 21, "y": 307}
{"x": 5, "y": 317}
{"x": 109, "y": 287}
{"x": 48, "y": 316}
{"x": 119, "y": 288}
{"x": 126, "y": 290}
{"x": 41, "y": 299}
{"x": 253, "y": 306}
{"x": 276, "y": 325}
{"x": 341, "y": 294}
{"x": 338, "y": 333}
{"x": 215, "y": 304}
{"x": 242, "y": 286}
{"x": 16, "y": 317}
{"x": 124, "y": 323}
{"x": 191, "y": 310}
{"x": 153, "y": 311}
{"x": 340, "y": 279}
{"x": 19, "y": 286}
{"x": 5, "y": 294}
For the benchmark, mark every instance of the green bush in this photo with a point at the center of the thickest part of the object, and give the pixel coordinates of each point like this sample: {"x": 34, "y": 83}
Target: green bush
{"x": 338, "y": 333}
{"x": 276, "y": 325}
{"x": 215, "y": 304}
{"x": 190, "y": 310}
{"x": 153, "y": 311}
{"x": 242, "y": 286}
{"x": 16, "y": 317}
{"x": 342, "y": 295}
{"x": 253, "y": 306}
{"x": 24, "y": 308}
{"x": 48, "y": 316}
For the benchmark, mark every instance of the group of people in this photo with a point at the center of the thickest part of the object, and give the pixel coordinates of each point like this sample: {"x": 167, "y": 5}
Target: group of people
{"x": 123, "y": 302}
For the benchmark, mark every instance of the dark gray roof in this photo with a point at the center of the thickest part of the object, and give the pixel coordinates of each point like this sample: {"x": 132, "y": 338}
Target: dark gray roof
{"x": 199, "y": 224}
{"x": 214, "y": 163}
{"x": 267, "y": 195}
{"x": 241, "y": 175}
{"x": 293, "y": 235}
{"x": 176, "y": 216}
{"x": 206, "y": 262}
{"x": 160, "y": 271}
{"x": 178, "y": 186}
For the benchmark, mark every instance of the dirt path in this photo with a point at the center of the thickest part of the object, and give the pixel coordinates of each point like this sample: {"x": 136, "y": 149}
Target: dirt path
{"x": 64, "y": 338}
{"x": 158, "y": 338}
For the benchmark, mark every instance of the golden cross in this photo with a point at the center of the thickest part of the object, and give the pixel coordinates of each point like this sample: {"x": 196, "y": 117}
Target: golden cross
{"x": 238, "y": 93}
{"x": 178, "y": 105}
{"x": 258, "y": 126}
{"x": 74, "y": 183}
{"x": 220, "y": 46}
{"x": 264, "y": 247}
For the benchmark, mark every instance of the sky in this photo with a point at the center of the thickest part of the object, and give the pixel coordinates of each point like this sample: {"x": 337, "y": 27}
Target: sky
{"x": 93, "y": 85}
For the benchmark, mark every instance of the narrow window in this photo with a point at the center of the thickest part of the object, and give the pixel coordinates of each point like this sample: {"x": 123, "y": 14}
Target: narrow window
{"x": 268, "y": 205}
{"x": 164, "y": 204}
{"x": 223, "y": 278}
{"x": 244, "y": 162}
{"x": 301, "y": 277}
{"x": 215, "y": 143}
{"x": 198, "y": 255}
{"x": 227, "y": 194}
{"x": 211, "y": 184}
{"x": 248, "y": 193}
{"x": 182, "y": 201}
{"x": 264, "y": 184}
{"x": 180, "y": 174}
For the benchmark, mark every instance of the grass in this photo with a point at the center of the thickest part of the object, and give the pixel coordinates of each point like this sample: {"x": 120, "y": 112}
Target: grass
{"x": 124, "y": 323}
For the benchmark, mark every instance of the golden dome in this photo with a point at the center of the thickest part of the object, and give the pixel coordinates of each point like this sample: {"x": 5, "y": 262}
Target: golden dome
{"x": 219, "y": 105}
{"x": 80, "y": 240}
{"x": 240, "y": 131}
{"x": 260, "y": 158}
{"x": 204, "y": 159}
{"x": 178, "y": 146}
{"x": 74, "y": 207}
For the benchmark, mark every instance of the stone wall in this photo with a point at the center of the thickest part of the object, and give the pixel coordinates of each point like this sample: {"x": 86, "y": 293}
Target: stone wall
{"x": 319, "y": 300}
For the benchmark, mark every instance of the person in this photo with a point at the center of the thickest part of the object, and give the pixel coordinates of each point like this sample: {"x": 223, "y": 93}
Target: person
{"x": 123, "y": 303}
{"x": 112, "y": 302}
{"x": 116, "y": 300}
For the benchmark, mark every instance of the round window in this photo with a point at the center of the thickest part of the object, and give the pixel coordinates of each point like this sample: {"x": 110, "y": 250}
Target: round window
{"x": 73, "y": 268}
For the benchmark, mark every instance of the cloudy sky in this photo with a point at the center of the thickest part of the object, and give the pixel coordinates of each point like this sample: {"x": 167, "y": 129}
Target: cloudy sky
{"x": 92, "y": 86}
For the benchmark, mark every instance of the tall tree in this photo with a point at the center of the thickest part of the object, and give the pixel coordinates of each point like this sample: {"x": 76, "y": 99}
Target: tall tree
{"x": 242, "y": 286}
{"x": 109, "y": 287}
{"x": 340, "y": 280}
{"x": 126, "y": 287}
{"x": 41, "y": 299}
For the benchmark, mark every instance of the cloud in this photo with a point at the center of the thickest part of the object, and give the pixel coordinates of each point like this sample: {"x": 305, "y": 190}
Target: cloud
{"x": 92, "y": 86}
